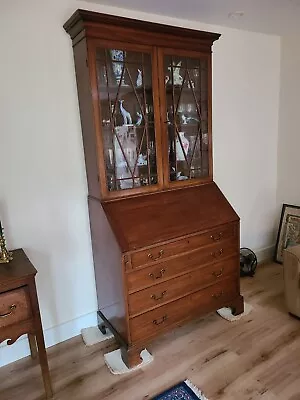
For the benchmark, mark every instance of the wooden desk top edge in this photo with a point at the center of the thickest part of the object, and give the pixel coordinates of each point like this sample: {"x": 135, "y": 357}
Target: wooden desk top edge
{"x": 19, "y": 267}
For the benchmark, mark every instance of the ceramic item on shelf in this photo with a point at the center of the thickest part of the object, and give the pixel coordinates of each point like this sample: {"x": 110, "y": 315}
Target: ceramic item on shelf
{"x": 180, "y": 177}
{"x": 185, "y": 120}
{"x": 140, "y": 119}
{"x": 142, "y": 160}
{"x": 167, "y": 78}
{"x": 183, "y": 148}
{"x": 127, "y": 120}
{"x": 177, "y": 78}
{"x": 139, "y": 79}
{"x": 125, "y": 143}
{"x": 118, "y": 57}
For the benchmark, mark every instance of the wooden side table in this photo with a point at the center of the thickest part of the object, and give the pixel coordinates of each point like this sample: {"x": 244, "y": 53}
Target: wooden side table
{"x": 19, "y": 309}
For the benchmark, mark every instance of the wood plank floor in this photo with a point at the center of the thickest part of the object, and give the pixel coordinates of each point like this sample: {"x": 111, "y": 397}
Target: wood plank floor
{"x": 257, "y": 357}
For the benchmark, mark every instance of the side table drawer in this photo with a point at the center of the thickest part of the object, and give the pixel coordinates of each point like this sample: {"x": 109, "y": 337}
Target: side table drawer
{"x": 14, "y": 307}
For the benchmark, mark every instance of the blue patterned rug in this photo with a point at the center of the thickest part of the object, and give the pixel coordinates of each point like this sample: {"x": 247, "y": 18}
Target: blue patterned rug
{"x": 182, "y": 391}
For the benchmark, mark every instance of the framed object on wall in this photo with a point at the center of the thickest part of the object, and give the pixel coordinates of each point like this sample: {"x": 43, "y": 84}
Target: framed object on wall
{"x": 289, "y": 230}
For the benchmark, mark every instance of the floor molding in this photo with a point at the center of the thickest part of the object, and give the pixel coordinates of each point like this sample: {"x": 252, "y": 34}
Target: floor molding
{"x": 265, "y": 254}
{"x": 53, "y": 336}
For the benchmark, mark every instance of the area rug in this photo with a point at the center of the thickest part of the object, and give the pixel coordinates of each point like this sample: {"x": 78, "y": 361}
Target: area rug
{"x": 182, "y": 391}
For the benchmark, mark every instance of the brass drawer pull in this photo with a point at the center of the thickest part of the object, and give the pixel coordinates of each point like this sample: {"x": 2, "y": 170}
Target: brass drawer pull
{"x": 218, "y": 274}
{"x": 161, "y": 274}
{"x": 217, "y": 237}
{"x": 160, "y": 254}
{"x": 12, "y": 309}
{"x": 154, "y": 297}
{"x": 216, "y": 254}
{"x": 160, "y": 321}
{"x": 218, "y": 295}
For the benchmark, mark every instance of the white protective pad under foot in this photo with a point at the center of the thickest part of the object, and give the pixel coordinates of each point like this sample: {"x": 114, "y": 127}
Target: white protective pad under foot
{"x": 93, "y": 335}
{"x": 116, "y": 365}
{"x": 227, "y": 314}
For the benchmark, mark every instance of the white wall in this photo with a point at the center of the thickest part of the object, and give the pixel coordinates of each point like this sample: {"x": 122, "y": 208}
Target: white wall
{"x": 42, "y": 183}
{"x": 289, "y": 133}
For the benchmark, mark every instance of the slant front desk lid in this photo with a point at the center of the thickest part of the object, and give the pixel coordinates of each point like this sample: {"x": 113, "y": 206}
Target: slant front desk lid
{"x": 146, "y": 220}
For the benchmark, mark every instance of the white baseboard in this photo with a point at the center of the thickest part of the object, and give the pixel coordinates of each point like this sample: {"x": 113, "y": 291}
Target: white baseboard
{"x": 265, "y": 254}
{"x": 52, "y": 336}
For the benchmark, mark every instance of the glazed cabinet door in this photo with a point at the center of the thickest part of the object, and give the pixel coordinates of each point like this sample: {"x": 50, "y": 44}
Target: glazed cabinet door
{"x": 127, "y": 105}
{"x": 185, "y": 92}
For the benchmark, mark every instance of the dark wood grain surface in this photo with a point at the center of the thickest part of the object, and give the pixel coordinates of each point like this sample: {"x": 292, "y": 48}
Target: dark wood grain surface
{"x": 19, "y": 310}
{"x": 19, "y": 267}
{"x": 151, "y": 233}
{"x": 143, "y": 221}
{"x": 83, "y": 18}
{"x": 213, "y": 353}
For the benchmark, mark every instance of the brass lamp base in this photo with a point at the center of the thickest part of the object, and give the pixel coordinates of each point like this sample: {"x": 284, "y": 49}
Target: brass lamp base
{"x": 5, "y": 255}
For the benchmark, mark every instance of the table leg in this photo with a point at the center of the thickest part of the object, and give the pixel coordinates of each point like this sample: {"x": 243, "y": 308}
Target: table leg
{"x": 44, "y": 363}
{"x": 40, "y": 341}
{"x": 32, "y": 345}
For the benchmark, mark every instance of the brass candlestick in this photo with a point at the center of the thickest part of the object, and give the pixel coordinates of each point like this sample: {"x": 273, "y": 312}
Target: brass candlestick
{"x": 5, "y": 255}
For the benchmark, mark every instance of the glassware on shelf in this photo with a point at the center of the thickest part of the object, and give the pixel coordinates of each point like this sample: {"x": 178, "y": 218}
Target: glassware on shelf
{"x": 195, "y": 157}
{"x": 139, "y": 79}
{"x": 196, "y": 75}
{"x": 205, "y": 139}
{"x": 190, "y": 108}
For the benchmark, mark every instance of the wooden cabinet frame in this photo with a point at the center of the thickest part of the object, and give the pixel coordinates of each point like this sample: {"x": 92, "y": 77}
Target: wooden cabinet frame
{"x": 97, "y": 30}
{"x": 93, "y": 44}
{"x": 165, "y": 224}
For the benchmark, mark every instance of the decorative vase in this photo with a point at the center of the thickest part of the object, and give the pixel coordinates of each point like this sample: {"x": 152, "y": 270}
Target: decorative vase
{"x": 181, "y": 151}
{"x": 139, "y": 79}
{"x": 117, "y": 57}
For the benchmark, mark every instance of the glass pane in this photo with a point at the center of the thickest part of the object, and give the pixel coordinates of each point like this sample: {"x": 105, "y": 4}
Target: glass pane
{"x": 126, "y": 106}
{"x": 186, "y": 83}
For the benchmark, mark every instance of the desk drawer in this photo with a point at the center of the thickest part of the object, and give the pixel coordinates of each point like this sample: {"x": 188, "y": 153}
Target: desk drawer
{"x": 163, "y": 318}
{"x": 154, "y": 274}
{"x": 159, "y": 253}
{"x": 175, "y": 288}
{"x": 14, "y": 307}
